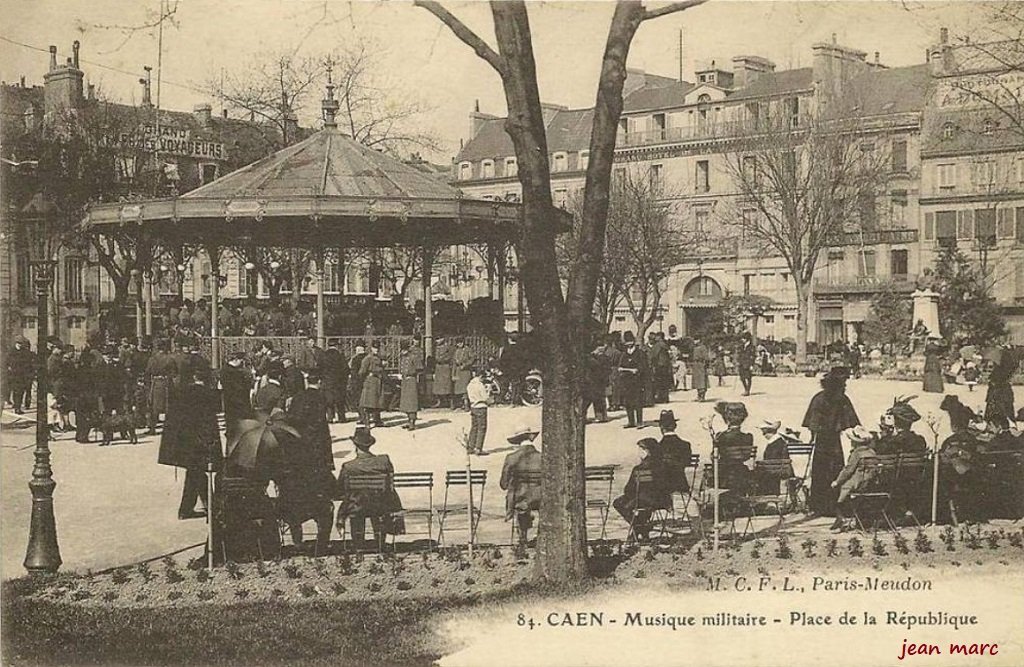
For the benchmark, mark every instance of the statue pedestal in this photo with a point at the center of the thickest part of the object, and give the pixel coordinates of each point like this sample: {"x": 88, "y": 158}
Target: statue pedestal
{"x": 926, "y": 310}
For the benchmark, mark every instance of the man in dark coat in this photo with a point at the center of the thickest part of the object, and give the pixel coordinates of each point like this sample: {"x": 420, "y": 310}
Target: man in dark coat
{"x": 159, "y": 374}
{"x": 21, "y": 368}
{"x": 675, "y": 452}
{"x": 293, "y": 381}
{"x": 595, "y": 385}
{"x": 271, "y": 395}
{"x": 334, "y": 374}
{"x": 640, "y": 497}
{"x": 410, "y": 365}
{"x": 355, "y": 379}
{"x": 632, "y": 379}
{"x": 522, "y": 498}
{"x": 191, "y": 441}
{"x": 745, "y": 357}
{"x": 309, "y": 357}
{"x": 700, "y": 357}
{"x": 236, "y": 385}
{"x": 443, "y": 387}
{"x": 371, "y": 400}
{"x": 358, "y": 504}
{"x": 308, "y": 414}
{"x": 112, "y": 385}
{"x": 84, "y": 395}
{"x": 661, "y": 368}
{"x": 829, "y": 414}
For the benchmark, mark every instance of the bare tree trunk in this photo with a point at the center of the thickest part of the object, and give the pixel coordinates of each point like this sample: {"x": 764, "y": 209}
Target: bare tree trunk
{"x": 802, "y": 291}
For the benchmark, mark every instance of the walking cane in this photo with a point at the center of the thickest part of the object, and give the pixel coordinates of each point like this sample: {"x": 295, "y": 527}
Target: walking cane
{"x": 714, "y": 467}
{"x": 933, "y": 425}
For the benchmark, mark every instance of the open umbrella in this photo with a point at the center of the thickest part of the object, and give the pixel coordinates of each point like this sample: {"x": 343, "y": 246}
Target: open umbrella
{"x": 257, "y": 442}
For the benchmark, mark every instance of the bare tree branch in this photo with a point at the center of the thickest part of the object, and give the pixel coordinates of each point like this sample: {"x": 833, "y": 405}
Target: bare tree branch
{"x": 670, "y": 9}
{"x": 460, "y": 30}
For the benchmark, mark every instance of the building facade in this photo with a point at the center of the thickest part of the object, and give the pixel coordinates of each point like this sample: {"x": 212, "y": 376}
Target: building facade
{"x": 686, "y": 135}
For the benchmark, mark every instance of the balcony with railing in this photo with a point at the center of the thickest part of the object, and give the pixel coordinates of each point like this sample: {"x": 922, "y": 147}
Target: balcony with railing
{"x": 903, "y": 283}
{"x": 710, "y": 250}
{"x": 708, "y": 130}
{"x": 875, "y": 237}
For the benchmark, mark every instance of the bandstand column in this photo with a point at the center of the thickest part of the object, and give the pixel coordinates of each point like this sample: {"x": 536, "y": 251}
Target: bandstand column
{"x": 321, "y": 338}
{"x": 428, "y": 304}
{"x": 214, "y": 253}
{"x": 137, "y": 280}
{"x": 148, "y": 296}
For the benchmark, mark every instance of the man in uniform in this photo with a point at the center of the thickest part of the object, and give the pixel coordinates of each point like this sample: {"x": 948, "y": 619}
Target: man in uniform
{"x": 463, "y": 359}
{"x": 443, "y": 388}
{"x": 745, "y": 358}
{"x": 410, "y": 365}
{"x": 699, "y": 358}
{"x": 21, "y": 364}
{"x": 371, "y": 399}
{"x": 334, "y": 374}
{"x": 159, "y": 373}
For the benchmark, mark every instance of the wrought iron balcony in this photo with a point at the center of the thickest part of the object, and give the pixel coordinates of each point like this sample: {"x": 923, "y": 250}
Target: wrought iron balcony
{"x": 865, "y": 284}
{"x": 875, "y": 237}
{"x": 708, "y": 130}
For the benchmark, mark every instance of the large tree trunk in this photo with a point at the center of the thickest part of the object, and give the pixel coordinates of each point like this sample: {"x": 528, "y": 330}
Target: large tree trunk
{"x": 802, "y": 292}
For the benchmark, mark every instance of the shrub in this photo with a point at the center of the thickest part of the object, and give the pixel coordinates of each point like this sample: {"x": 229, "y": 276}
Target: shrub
{"x": 320, "y": 567}
{"x": 292, "y": 570}
{"x": 241, "y": 593}
{"x": 276, "y": 593}
{"x": 202, "y": 575}
{"x": 831, "y": 548}
{"x": 81, "y": 594}
{"x": 261, "y": 569}
{"x": 878, "y": 547}
{"x": 922, "y": 543}
{"x": 374, "y": 587}
{"x": 141, "y": 597}
{"x": 993, "y": 539}
{"x": 110, "y": 596}
{"x": 640, "y": 574}
{"x": 808, "y": 546}
{"x": 404, "y": 586}
{"x": 1016, "y": 540}
{"x": 120, "y": 576}
{"x": 782, "y": 548}
{"x": 376, "y": 568}
{"x": 854, "y": 548}
{"x": 901, "y": 544}
{"x": 337, "y": 588}
{"x": 307, "y": 590}
{"x": 700, "y": 554}
{"x": 206, "y": 594}
{"x": 233, "y": 570}
{"x": 144, "y": 571}
{"x": 973, "y": 540}
{"x": 948, "y": 538}
{"x": 172, "y": 576}
{"x": 174, "y": 595}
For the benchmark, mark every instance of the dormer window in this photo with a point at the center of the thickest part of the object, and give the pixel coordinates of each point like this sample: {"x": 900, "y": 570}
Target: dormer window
{"x": 487, "y": 169}
{"x": 704, "y": 98}
{"x": 511, "y": 167}
{"x": 559, "y": 161}
{"x": 948, "y": 131}
{"x": 988, "y": 126}
{"x": 584, "y": 160}
{"x": 465, "y": 171}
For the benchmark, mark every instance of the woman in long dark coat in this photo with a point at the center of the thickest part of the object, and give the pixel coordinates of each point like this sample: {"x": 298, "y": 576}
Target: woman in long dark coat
{"x": 699, "y": 368}
{"x": 828, "y": 415}
{"x": 191, "y": 440}
{"x": 933, "y": 367}
{"x": 999, "y": 398}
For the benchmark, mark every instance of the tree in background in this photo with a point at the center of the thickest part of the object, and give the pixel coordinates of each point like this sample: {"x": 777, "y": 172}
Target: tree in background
{"x": 890, "y": 320}
{"x": 968, "y": 315}
{"x": 802, "y": 181}
{"x": 279, "y": 88}
{"x": 561, "y": 319}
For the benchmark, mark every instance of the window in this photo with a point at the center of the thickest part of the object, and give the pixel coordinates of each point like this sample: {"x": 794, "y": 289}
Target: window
{"x": 561, "y": 197}
{"x": 618, "y": 175}
{"x": 988, "y": 126}
{"x": 948, "y": 131}
{"x": 929, "y": 226}
{"x": 26, "y": 283}
{"x": 867, "y": 146}
{"x": 753, "y": 111}
{"x": 207, "y": 278}
{"x": 768, "y": 319}
{"x": 74, "y": 269}
{"x": 487, "y": 169}
{"x": 1020, "y": 225}
{"x": 866, "y": 266}
{"x": 511, "y": 167}
{"x": 705, "y": 286}
{"x": 330, "y": 276}
{"x": 655, "y": 175}
{"x": 748, "y": 220}
{"x": 248, "y": 281}
{"x": 945, "y": 225}
{"x": 76, "y": 322}
{"x": 512, "y": 197}
{"x": 584, "y": 160}
{"x": 658, "y": 125}
{"x": 750, "y": 169}
{"x": 746, "y": 285}
{"x": 558, "y": 162}
{"x": 207, "y": 172}
{"x": 984, "y": 174}
{"x": 899, "y": 156}
{"x": 793, "y": 111}
{"x": 624, "y": 129}
{"x": 124, "y": 167}
{"x": 947, "y": 175}
{"x": 898, "y": 210}
{"x": 789, "y": 318}
{"x": 702, "y": 179}
{"x": 964, "y": 225}
{"x": 866, "y": 209}
{"x": 898, "y": 262}
{"x": 1005, "y": 225}
{"x": 700, "y": 221}
{"x": 465, "y": 171}
{"x": 703, "y": 98}
{"x": 985, "y": 225}
{"x": 29, "y": 322}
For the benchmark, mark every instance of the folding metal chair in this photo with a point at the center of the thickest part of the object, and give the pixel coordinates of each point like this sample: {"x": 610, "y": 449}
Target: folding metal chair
{"x": 659, "y": 515}
{"x": 416, "y": 480}
{"x": 468, "y": 479}
{"x": 771, "y": 469}
{"x": 680, "y": 518}
{"x": 800, "y": 491}
{"x": 599, "y": 480}
{"x": 367, "y": 483}
{"x": 874, "y": 500}
{"x": 524, "y": 478}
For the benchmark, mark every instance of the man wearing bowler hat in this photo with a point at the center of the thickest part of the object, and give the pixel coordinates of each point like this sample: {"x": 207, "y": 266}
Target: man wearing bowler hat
{"x": 675, "y": 452}
{"x": 358, "y": 504}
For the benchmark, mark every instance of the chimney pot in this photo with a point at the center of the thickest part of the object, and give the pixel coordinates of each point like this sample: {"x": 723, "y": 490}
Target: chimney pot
{"x": 877, "y": 55}
{"x": 53, "y": 57}
{"x": 74, "y": 49}
{"x": 943, "y": 35}
{"x": 224, "y": 113}
{"x": 22, "y": 80}
{"x": 92, "y": 91}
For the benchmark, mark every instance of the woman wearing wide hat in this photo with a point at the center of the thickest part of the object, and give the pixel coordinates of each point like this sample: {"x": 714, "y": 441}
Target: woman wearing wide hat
{"x": 829, "y": 414}
{"x": 933, "y": 350}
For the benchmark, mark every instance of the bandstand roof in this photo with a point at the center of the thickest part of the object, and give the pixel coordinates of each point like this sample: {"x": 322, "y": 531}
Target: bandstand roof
{"x": 325, "y": 191}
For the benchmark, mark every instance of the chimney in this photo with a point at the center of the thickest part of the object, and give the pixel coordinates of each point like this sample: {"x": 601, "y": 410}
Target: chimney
{"x": 224, "y": 113}
{"x": 835, "y": 66}
{"x": 147, "y": 97}
{"x": 62, "y": 85}
{"x": 74, "y": 50}
{"x": 747, "y": 69}
{"x": 22, "y": 80}
{"x": 203, "y": 114}
{"x": 477, "y": 120}
{"x": 92, "y": 91}
{"x": 940, "y": 56}
{"x": 943, "y": 36}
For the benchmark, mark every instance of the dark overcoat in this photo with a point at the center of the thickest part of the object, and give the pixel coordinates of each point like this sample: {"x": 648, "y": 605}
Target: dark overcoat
{"x": 191, "y": 439}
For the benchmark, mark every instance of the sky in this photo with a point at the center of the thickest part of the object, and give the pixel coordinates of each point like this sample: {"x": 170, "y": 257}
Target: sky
{"x": 421, "y": 58}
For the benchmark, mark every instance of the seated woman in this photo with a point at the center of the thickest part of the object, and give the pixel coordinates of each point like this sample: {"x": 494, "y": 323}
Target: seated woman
{"x": 853, "y": 476}
{"x": 734, "y": 448}
{"x": 776, "y": 448}
{"x": 640, "y": 498}
{"x": 904, "y": 440}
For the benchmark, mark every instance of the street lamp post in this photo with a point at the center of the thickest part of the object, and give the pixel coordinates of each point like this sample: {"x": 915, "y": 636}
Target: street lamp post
{"x": 43, "y": 553}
